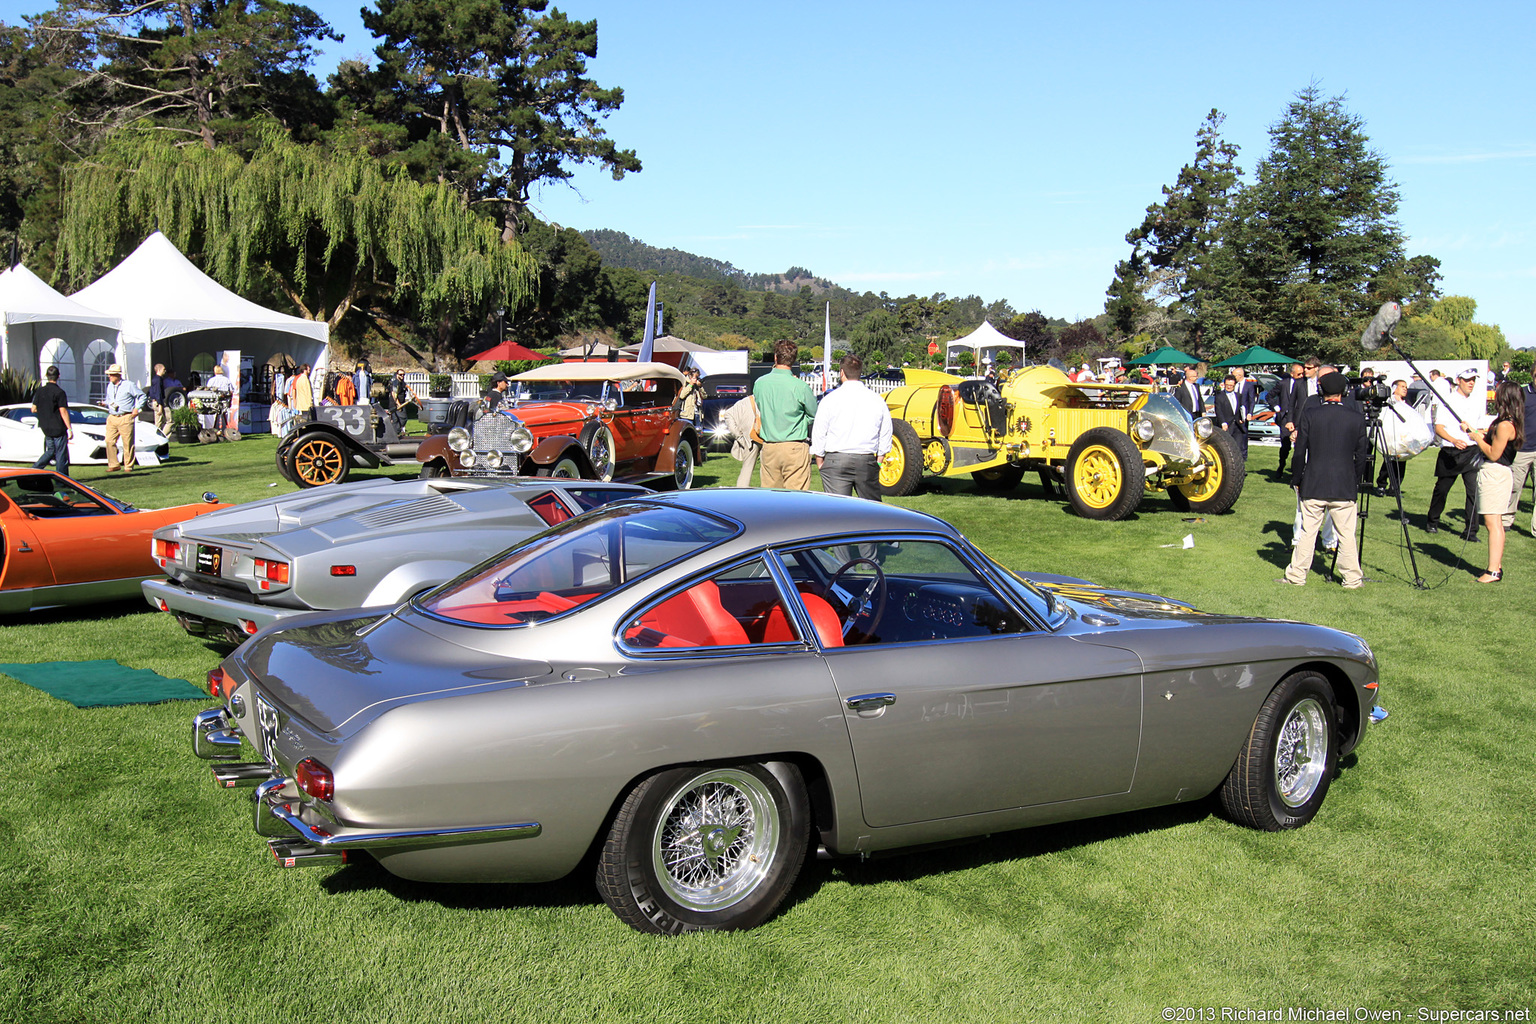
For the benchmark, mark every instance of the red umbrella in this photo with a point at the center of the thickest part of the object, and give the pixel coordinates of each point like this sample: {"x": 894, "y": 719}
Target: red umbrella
{"x": 506, "y": 350}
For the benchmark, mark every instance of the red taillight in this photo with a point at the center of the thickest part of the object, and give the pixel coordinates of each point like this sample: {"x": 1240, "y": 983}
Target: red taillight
{"x": 160, "y": 603}
{"x": 343, "y": 570}
{"x": 270, "y": 569}
{"x": 315, "y": 779}
{"x": 248, "y": 626}
{"x": 217, "y": 683}
{"x": 168, "y": 549}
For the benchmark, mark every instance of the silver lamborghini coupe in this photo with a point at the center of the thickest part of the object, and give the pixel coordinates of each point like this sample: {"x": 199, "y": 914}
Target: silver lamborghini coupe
{"x": 700, "y": 687}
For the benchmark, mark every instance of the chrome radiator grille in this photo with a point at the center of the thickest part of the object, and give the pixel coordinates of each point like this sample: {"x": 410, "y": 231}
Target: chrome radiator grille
{"x": 494, "y": 432}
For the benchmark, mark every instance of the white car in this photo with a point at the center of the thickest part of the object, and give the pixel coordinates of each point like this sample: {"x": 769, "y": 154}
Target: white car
{"x": 22, "y": 441}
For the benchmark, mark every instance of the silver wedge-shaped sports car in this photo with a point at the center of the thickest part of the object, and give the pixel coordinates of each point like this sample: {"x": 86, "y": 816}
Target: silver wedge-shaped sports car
{"x": 368, "y": 544}
{"x": 703, "y": 686}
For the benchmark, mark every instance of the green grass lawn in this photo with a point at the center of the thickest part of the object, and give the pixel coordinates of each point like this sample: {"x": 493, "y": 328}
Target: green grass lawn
{"x": 132, "y": 889}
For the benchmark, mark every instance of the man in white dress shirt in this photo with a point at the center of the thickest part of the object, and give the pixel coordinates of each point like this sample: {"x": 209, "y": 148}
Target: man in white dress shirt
{"x": 851, "y": 432}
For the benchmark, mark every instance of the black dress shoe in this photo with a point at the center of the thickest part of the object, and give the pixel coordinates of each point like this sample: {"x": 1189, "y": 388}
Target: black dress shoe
{"x": 1469, "y": 535}
{"x": 1431, "y": 527}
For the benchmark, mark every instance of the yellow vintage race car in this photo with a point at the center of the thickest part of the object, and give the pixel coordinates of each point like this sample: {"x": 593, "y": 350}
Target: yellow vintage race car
{"x": 1110, "y": 443}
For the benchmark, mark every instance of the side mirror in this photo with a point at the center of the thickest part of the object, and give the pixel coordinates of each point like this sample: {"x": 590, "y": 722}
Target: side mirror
{"x": 210, "y": 497}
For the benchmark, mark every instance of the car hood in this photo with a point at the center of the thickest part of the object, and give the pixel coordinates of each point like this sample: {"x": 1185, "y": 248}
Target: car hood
{"x": 1082, "y": 596}
{"x": 543, "y": 413}
{"x": 340, "y": 670}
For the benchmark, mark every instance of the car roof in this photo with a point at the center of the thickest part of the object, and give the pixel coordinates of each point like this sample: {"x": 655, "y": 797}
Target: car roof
{"x": 774, "y": 516}
{"x": 601, "y": 371}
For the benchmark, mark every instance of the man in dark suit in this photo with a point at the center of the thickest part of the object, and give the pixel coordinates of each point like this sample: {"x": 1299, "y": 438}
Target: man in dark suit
{"x": 1332, "y": 456}
{"x": 1231, "y": 414}
{"x": 1293, "y": 392}
{"x": 1188, "y": 393}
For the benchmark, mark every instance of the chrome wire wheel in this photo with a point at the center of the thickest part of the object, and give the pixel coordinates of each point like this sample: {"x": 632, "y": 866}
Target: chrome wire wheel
{"x": 714, "y": 840}
{"x": 1301, "y": 748}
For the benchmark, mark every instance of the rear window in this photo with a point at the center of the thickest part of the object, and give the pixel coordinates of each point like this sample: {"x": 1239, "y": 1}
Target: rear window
{"x": 575, "y": 562}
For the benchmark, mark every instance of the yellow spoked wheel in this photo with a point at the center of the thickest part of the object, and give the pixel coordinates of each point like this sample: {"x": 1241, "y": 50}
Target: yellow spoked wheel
{"x": 902, "y": 466}
{"x": 1218, "y": 489}
{"x": 317, "y": 459}
{"x": 1098, "y": 477}
{"x": 1105, "y": 475}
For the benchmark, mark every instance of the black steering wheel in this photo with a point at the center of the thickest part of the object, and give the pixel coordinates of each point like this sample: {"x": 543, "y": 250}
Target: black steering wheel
{"x": 870, "y": 605}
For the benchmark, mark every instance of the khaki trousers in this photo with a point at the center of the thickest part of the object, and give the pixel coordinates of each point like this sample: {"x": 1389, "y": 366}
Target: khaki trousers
{"x": 1342, "y": 515}
{"x": 787, "y": 464}
{"x": 120, "y": 425}
{"x": 1518, "y": 472}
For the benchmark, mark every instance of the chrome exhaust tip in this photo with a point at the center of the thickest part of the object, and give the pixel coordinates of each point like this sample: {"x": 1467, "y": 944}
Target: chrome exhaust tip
{"x": 242, "y": 774}
{"x": 295, "y": 853}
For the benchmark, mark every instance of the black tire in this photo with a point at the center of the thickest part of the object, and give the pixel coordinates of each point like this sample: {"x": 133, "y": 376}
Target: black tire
{"x": 705, "y": 848}
{"x": 434, "y": 470}
{"x": 176, "y": 399}
{"x": 1283, "y": 772}
{"x": 282, "y": 465}
{"x": 597, "y": 441}
{"x": 683, "y": 465}
{"x": 564, "y": 467}
{"x": 998, "y": 480}
{"x": 1223, "y": 483}
{"x": 902, "y": 469}
{"x": 316, "y": 458}
{"x": 1104, "y": 474}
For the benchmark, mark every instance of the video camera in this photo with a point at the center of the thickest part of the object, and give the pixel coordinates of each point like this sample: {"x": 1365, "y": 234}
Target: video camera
{"x": 1372, "y": 394}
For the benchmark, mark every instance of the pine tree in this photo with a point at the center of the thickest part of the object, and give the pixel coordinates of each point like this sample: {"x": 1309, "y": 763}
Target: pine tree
{"x": 1314, "y": 231}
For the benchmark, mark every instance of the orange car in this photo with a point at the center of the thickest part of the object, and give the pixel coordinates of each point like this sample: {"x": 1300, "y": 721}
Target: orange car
{"x": 62, "y": 543}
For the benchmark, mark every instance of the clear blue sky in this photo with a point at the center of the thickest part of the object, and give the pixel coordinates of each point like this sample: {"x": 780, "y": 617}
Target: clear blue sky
{"x": 1004, "y": 149}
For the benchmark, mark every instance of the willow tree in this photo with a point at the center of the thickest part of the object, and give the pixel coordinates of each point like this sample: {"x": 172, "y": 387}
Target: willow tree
{"x": 337, "y": 234}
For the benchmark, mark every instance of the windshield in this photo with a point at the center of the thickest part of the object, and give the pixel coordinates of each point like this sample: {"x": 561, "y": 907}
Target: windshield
{"x": 1173, "y": 429}
{"x": 575, "y": 562}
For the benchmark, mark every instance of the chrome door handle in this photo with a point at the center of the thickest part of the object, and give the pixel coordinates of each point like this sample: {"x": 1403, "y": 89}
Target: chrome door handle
{"x": 870, "y": 701}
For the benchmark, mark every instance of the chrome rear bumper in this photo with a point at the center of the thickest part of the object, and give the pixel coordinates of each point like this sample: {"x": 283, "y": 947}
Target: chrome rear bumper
{"x": 277, "y": 815}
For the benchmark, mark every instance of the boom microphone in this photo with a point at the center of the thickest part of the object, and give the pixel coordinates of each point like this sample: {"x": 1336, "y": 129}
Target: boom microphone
{"x": 1381, "y": 325}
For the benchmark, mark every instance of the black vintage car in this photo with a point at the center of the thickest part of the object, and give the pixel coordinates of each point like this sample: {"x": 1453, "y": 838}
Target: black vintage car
{"x": 721, "y": 391}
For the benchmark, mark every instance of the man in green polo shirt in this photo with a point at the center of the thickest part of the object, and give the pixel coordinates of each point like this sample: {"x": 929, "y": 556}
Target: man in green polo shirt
{"x": 785, "y": 409}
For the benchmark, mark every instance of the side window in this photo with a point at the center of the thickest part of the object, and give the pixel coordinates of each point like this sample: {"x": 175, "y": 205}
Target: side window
{"x": 735, "y": 608}
{"x": 900, "y": 591}
{"x": 550, "y": 508}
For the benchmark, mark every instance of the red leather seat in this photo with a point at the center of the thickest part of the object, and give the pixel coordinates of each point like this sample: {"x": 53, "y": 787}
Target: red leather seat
{"x": 829, "y": 628}
{"x": 696, "y": 618}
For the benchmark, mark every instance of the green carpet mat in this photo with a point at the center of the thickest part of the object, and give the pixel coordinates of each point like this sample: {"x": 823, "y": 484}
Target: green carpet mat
{"x": 99, "y": 684}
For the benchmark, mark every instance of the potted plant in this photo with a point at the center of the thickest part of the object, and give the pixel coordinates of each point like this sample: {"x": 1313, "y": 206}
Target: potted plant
{"x": 184, "y": 425}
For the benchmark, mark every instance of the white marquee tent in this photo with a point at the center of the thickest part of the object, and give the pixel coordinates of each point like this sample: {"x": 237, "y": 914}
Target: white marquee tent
{"x": 40, "y": 328}
{"x": 983, "y": 343}
{"x": 175, "y": 314}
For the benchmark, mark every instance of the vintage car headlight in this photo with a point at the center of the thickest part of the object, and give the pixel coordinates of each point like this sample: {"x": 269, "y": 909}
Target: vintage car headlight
{"x": 521, "y": 440}
{"x": 459, "y": 440}
{"x": 467, "y": 459}
{"x": 1203, "y": 427}
{"x": 1145, "y": 430}
{"x": 611, "y": 404}
{"x": 493, "y": 459}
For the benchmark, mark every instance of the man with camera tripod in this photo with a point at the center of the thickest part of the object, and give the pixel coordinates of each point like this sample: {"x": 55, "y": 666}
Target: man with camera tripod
{"x": 1332, "y": 455}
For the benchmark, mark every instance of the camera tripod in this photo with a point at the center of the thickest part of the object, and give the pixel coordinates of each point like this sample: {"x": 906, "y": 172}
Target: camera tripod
{"x": 1367, "y": 489}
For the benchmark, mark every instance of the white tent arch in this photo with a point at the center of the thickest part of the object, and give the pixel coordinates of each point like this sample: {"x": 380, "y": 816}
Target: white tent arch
{"x": 171, "y": 312}
{"x": 983, "y": 343}
{"x": 40, "y": 328}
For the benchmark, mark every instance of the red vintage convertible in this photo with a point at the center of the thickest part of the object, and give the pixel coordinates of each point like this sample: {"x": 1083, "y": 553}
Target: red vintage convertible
{"x": 62, "y": 543}
{"x": 604, "y": 421}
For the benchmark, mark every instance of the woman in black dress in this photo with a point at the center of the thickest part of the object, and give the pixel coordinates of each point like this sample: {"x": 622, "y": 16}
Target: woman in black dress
{"x": 1499, "y": 443}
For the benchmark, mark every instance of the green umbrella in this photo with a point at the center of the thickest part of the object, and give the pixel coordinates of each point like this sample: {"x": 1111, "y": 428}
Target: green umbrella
{"x": 1166, "y": 354}
{"x": 1256, "y": 355}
